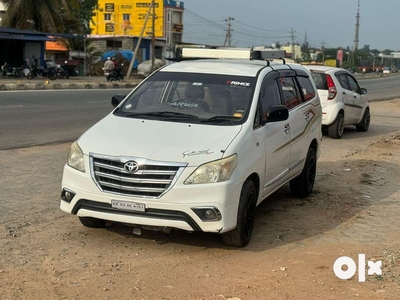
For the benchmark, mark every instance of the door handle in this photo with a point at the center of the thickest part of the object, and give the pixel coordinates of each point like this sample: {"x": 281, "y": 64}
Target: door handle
{"x": 307, "y": 117}
{"x": 286, "y": 128}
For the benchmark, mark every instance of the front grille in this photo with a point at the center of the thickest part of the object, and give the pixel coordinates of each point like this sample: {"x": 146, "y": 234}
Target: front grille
{"x": 152, "y": 178}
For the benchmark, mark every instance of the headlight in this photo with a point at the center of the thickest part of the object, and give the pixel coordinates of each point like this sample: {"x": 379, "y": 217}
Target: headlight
{"x": 216, "y": 171}
{"x": 75, "y": 158}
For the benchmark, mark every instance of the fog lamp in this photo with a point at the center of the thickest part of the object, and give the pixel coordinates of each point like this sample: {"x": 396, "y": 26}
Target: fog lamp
{"x": 207, "y": 214}
{"x": 67, "y": 195}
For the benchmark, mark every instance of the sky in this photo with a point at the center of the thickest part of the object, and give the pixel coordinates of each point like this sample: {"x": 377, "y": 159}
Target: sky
{"x": 330, "y": 23}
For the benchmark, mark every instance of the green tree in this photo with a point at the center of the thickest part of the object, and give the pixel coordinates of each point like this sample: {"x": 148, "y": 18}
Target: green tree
{"x": 55, "y": 16}
{"x": 39, "y": 15}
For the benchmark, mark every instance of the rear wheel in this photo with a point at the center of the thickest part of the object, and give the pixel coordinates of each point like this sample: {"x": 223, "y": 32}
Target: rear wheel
{"x": 92, "y": 222}
{"x": 336, "y": 130}
{"x": 303, "y": 185}
{"x": 240, "y": 236}
{"x": 365, "y": 121}
{"x": 19, "y": 74}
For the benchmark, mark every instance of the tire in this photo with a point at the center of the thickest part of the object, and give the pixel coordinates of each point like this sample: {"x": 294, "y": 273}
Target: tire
{"x": 52, "y": 76}
{"x": 335, "y": 131}
{"x": 19, "y": 74}
{"x": 365, "y": 121}
{"x": 30, "y": 75}
{"x": 303, "y": 185}
{"x": 240, "y": 236}
{"x": 92, "y": 222}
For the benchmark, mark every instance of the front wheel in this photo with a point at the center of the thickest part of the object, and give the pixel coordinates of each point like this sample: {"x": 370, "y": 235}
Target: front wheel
{"x": 30, "y": 75}
{"x": 240, "y": 236}
{"x": 92, "y": 222}
{"x": 336, "y": 130}
{"x": 52, "y": 76}
{"x": 303, "y": 185}
{"x": 365, "y": 121}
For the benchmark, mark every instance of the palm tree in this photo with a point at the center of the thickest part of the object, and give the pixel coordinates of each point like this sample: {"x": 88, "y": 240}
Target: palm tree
{"x": 39, "y": 15}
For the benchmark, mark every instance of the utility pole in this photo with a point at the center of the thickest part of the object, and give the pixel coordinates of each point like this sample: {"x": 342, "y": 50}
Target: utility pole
{"x": 322, "y": 50}
{"x": 153, "y": 40}
{"x": 228, "y": 32}
{"x": 128, "y": 73}
{"x": 292, "y": 32}
{"x": 355, "y": 45}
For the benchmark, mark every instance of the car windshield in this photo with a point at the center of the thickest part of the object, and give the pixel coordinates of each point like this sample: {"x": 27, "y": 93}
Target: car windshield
{"x": 189, "y": 97}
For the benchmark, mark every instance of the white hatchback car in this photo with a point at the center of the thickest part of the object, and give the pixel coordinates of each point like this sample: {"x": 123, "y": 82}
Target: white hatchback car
{"x": 343, "y": 101}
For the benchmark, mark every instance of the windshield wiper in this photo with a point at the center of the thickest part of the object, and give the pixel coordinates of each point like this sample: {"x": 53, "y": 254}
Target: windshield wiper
{"x": 162, "y": 114}
{"x": 220, "y": 119}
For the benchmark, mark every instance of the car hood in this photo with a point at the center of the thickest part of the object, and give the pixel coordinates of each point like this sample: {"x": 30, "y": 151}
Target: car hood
{"x": 158, "y": 140}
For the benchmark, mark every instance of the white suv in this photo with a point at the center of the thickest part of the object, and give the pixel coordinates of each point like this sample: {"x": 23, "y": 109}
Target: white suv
{"x": 198, "y": 145}
{"x": 343, "y": 101}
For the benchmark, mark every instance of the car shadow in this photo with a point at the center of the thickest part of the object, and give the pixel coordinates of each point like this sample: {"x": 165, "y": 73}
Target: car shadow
{"x": 350, "y": 132}
{"x": 283, "y": 219}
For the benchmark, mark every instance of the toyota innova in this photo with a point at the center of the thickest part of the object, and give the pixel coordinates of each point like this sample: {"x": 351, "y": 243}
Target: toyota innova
{"x": 198, "y": 145}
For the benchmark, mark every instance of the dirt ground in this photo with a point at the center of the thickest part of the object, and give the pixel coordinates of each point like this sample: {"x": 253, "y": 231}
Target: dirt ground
{"x": 355, "y": 208}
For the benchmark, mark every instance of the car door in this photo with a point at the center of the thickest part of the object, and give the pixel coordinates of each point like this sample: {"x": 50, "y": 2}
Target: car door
{"x": 347, "y": 97}
{"x": 359, "y": 99}
{"x": 275, "y": 137}
{"x": 300, "y": 115}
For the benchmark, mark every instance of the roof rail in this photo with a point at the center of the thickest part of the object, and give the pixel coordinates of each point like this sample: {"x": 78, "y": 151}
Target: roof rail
{"x": 229, "y": 53}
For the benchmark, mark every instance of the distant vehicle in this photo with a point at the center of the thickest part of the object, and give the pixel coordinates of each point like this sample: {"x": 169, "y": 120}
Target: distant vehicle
{"x": 343, "y": 101}
{"x": 386, "y": 70}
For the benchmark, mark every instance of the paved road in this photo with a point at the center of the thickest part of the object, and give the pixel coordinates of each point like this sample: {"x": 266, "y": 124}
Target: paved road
{"x": 382, "y": 88}
{"x": 32, "y": 118}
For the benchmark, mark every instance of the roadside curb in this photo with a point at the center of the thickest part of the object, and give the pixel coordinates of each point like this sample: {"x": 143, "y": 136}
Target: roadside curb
{"x": 64, "y": 86}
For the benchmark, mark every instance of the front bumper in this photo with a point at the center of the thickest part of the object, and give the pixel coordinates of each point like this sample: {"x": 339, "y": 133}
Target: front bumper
{"x": 174, "y": 209}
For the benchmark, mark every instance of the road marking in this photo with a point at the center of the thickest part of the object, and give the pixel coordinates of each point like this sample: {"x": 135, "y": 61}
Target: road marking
{"x": 7, "y": 106}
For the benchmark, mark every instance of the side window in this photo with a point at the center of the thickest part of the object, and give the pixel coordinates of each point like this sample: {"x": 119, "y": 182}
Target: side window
{"x": 353, "y": 84}
{"x": 270, "y": 96}
{"x": 342, "y": 78}
{"x": 290, "y": 93}
{"x": 306, "y": 87}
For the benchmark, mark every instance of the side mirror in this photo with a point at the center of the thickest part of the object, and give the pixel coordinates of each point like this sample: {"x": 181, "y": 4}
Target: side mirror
{"x": 277, "y": 113}
{"x": 117, "y": 99}
{"x": 363, "y": 91}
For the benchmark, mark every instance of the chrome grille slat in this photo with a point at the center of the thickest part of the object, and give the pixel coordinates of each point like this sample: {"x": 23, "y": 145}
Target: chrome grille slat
{"x": 151, "y": 180}
{"x": 140, "y": 172}
{"x": 132, "y": 180}
{"x": 130, "y": 188}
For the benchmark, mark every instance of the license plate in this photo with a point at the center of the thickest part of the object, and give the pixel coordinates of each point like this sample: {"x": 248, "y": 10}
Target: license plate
{"x": 125, "y": 205}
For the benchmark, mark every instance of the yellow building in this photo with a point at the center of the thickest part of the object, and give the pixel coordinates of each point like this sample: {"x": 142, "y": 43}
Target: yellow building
{"x": 127, "y": 18}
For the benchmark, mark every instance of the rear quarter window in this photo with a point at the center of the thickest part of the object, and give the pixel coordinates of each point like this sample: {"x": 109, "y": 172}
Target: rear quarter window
{"x": 320, "y": 80}
{"x": 306, "y": 87}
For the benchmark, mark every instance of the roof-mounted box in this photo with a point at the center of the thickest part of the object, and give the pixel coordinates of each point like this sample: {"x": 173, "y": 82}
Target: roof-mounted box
{"x": 250, "y": 54}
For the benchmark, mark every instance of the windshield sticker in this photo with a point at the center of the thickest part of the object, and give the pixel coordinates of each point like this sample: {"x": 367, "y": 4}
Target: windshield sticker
{"x": 183, "y": 104}
{"x": 238, "y": 83}
{"x": 194, "y": 153}
{"x": 197, "y": 83}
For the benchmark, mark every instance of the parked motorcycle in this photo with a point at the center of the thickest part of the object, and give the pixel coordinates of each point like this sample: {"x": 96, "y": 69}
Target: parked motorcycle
{"x": 8, "y": 71}
{"x": 116, "y": 74}
{"x": 50, "y": 73}
{"x": 62, "y": 71}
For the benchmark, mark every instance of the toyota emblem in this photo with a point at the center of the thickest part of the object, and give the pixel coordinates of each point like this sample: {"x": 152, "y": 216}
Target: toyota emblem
{"x": 131, "y": 167}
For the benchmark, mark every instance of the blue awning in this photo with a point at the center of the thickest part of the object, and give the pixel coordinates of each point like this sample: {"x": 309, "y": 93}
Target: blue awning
{"x": 36, "y": 38}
